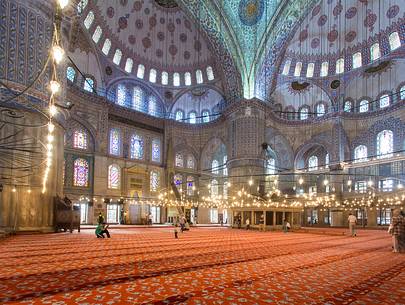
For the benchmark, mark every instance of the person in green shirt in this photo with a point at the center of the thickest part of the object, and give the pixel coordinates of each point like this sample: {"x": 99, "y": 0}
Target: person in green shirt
{"x": 101, "y": 229}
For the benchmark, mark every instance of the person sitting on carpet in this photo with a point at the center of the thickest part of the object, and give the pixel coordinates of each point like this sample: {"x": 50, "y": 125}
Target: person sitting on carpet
{"x": 101, "y": 229}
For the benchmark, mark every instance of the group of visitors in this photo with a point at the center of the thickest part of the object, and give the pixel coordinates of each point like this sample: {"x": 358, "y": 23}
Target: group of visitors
{"x": 397, "y": 230}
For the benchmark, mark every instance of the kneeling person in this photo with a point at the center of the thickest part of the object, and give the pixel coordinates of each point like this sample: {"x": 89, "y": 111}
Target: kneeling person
{"x": 101, "y": 229}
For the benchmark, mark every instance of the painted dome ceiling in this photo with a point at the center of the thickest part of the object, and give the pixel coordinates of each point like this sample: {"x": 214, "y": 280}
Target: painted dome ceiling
{"x": 155, "y": 33}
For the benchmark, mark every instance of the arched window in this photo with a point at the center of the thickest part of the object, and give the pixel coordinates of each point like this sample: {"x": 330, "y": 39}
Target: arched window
{"x": 206, "y": 115}
{"x": 137, "y": 147}
{"x": 214, "y": 188}
{"x": 81, "y": 173}
{"x": 385, "y": 144}
{"x": 156, "y": 150}
{"x": 141, "y": 71}
{"x": 114, "y": 176}
{"x": 357, "y": 62}
{"x": 81, "y": 6}
{"x": 384, "y": 101}
{"x": 152, "y": 106}
{"x": 363, "y": 106}
{"x": 152, "y": 75}
{"x": 187, "y": 78}
{"x": 313, "y": 163}
{"x": 199, "y": 76}
{"x": 128, "y": 65}
{"x": 88, "y": 84}
{"x": 225, "y": 169}
{"x": 327, "y": 160}
{"x": 117, "y": 57}
{"x": 347, "y": 106}
{"x": 154, "y": 181}
{"x": 340, "y": 65}
{"x": 97, "y": 34}
{"x": 178, "y": 181}
{"x": 320, "y": 110}
{"x": 137, "y": 99}
{"x": 271, "y": 166}
{"x": 106, "y": 46}
{"x": 375, "y": 51}
{"x": 402, "y": 93}
{"x": 210, "y": 73}
{"x": 176, "y": 79}
{"x": 215, "y": 167}
{"x": 89, "y": 20}
{"x": 70, "y": 73}
{"x": 179, "y": 162}
{"x": 121, "y": 94}
{"x": 310, "y": 70}
{"x": 165, "y": 78}
{"x": 190, "y": 162}
{"x": 80, "y": 139}
{"x": 394, "y": 41}
{"x": 360, "y": 153}
{"x": 304, "y": 113}
{"x": 286, "y": 69}
{"x": 115, "y": 142}
{"x": 190, "y": 186}
{"x": 298, "y": 68}
{"x": 324, "y": 69}
{"x": 192, "y": 117}
{"x": 179, "y": 115}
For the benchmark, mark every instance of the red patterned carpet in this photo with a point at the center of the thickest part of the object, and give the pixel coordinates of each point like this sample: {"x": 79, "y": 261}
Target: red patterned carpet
{"x": 204, "y": 266}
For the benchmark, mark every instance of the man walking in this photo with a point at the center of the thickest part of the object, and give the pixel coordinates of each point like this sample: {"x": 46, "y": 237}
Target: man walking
{"x": 352, "y": 224}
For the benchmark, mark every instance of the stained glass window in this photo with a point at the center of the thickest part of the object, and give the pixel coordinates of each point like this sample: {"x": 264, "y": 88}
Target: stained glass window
{"x": 128, "y": 65}
{"x": 178, "y": 181}
{"x": 271, "y": 166}
{"x": 88, "y": 84}
{"x": 81, "y": 6}
{"x": 190, "y": 162}
{"x": 357, "y": 60}
{"x": 215, "y": 167}
{"x": 156, "y": 150}
{"x": 310, "y": 69}
{"x": 347, "y": 107}
{"x": 363, "y": 106}
{"x": 286, "y": 69}
{"x": 385, "y": 144}
{"x": 360, "y": 153}
{"x": 320, "y": 110}
{"x": 81, "y": 173}
{"x": 298, "y": 68}
{"x": 384, "y": 101}
{"x": 324, "y": 69}
{"x": 179, "y": 160}
{"x": 70, "y": 73}
{"x": 80, "y": 139}
{"x": 176, "y": 79}
{"x": 165, "y": 78}
{"x": 152, "y": 75}
{"x": 210, "y": 73}
{"x": 386, "y": 185}
{"x": 313, "y": 163}
{"x": 154, "y": 181}
{"x": 190, "y": 186}
{"x": 179, "y": 115}
{"x": 141, "y": 71}
{"x": 375, "y": 51}
{"x": 89, "y": 20}
{"x": 121, "y": 94}
{"x": 394, "y": 40}
{"x": 97, "y": 34}
{"x": 304, "y": 113}
{"x": 187, "y": 78}
{"x": 114, "y": 176}
{"x": 225, "y": 169}
{"x": 117, "y": 57}
{"x": 152, "y": 105}
{"x": 106, "y": 46}
{"x": 192, "y": 117}
{"x": 137, "y": 147}
{"x": 402, "y": 93}
{"x": 115, "y": 142}
{"x": 199, "y": 76}
{"x": 206, "y": 115}
{"x": 137, "y": 99}
{"x": 327, "y": 160}
{"x": 214, "y": 188}
{"x": 340, "y": 65}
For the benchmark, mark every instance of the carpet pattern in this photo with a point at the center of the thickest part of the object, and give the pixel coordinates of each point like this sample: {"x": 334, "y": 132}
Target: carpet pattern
{"x": 204, "y": 266}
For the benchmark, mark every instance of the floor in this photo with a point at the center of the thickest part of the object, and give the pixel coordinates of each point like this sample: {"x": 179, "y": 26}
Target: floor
{"x": 203, "y": 266}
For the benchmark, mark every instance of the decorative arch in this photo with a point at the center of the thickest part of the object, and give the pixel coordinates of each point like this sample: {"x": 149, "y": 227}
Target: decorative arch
{"x": 281, "y": 147}
{"x": 211, "y": 149}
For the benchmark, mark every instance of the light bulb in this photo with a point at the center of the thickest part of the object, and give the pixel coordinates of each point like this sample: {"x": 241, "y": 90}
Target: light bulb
{"x": 349, "y": 182}
{"x": 229, "y": 184}
{"x": 250, "y": 182}
{"x": 400, "y": 186}
{"x": 29, "y": 191}
{"x": 63, "y": 3}
{"x": 54, "y": 86}
{"x": 14, "y": 189}
{"x": 51, "y": 127}
{"x": 301, "y": 181}
{"x": 325, "y": 182}
{"x": 52, "y": 110}
{"x": 50, "y": 138}
{"x": 58, "y": 54}
{"x": 370, "y": 183}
